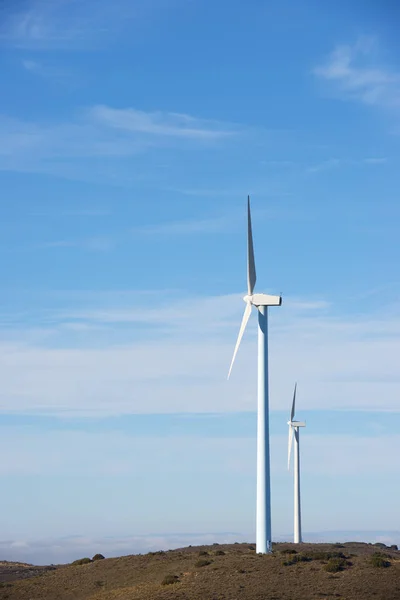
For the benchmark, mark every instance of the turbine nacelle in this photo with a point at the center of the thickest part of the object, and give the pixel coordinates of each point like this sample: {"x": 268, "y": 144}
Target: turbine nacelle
{"x": 296, "y": 423}
{"x": 263, "y": 300}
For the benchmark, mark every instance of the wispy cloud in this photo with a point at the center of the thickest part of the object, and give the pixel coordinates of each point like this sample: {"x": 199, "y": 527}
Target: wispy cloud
{"x": 201, "y": 226}
{"x": 334, "y": 163}
{"x": 94, "y": 244}
{"x": 221, "y": 223}
{"x": 325, "y": 165}
{"x": 164, "y": 354}
{"x": 359, "y": 75}
{"x": 158, "y": 123}
{"x": 97, "y": 132}
{"x": 78, "y": 212}
{"x": 32, "y": 65}
{"x": 378, "y": 160}
{"x": 50, "y": 71}
{"x": 68, "y": 24}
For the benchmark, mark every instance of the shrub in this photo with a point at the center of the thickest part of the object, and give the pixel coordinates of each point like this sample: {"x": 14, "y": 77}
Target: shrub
{"x": 321, "y": 555}
{"x": 82, "y": 561}
{"x": 251, "y": 547}
{"x": 394, "y": 547}
{"x": 169, "y": 579}
{"x": 203, "y": 553}
{"x": 219, "y": 553}
{"x": 380, "y": 560}
{"x": 98, "y": 557}
{"x": 334, "y": 565}
{"x": 203, "y": 562}
{"x": 296, "y": 558}
{"x": 289, "y": 551}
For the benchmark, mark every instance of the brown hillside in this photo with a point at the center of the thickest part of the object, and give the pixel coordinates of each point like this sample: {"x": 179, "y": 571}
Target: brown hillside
{"x": 219, "y": 572}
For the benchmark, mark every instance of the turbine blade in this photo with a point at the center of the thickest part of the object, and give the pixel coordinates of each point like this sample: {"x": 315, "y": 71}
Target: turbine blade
{"x": 293, "y": 403}
{"x": 290, "y": 442}
{"x": 246, "y": 316}
{"x": 251, "y": 267}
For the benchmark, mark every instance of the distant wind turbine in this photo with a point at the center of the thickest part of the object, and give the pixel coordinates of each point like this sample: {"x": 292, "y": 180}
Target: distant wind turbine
{"x": 261, "y": 302}
{"x": 295, "y": 433}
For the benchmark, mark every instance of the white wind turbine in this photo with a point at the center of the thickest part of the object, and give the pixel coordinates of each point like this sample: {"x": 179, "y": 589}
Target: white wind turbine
{"x": 295, "y": 433}
{"x": 261, "y": 302}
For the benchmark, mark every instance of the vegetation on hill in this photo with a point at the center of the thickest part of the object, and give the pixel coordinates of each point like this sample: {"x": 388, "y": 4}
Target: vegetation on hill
{"x": 220, "y": 572}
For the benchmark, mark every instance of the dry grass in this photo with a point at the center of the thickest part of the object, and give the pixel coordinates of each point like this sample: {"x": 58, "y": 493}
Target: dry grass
{"x": 237, "y": 574}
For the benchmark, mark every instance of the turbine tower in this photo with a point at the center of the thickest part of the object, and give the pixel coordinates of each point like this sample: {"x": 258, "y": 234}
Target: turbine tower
{"x": 295, "y": 433}
{"x": 261, "y": 302}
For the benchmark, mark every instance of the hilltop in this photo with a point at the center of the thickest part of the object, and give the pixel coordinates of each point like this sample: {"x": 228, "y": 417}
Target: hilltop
{"x": 349, "y": 571}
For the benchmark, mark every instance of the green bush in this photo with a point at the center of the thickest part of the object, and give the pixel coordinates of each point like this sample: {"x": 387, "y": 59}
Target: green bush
{"x": 169, "y": 579}
{"x": 334, "y": 565}
{"x": 203, "y": 553}
{"x": 82, "y": 561}
{"x": 219, "y": 553}
{"x": 203, "y": 562}
{"x": 380, "y": 560}
{"x": 98, "y": 557}
{"x": 321, "y": 555}
{"x": 296, "y": 558}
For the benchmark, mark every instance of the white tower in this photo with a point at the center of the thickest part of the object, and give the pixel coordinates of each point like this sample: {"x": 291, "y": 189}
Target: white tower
{"x": 294, "y": 432}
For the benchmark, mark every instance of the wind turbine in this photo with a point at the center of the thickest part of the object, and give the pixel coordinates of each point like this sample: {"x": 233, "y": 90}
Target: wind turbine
{"x": 295, "y": 433}
{"x": 261, "y": 302}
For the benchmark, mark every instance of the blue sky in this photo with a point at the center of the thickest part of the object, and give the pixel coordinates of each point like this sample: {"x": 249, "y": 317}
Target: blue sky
{"x": 131, "y": 133}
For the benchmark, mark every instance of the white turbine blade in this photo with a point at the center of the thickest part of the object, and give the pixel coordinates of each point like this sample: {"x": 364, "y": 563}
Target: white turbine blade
{"x": 251, "y": 267}
{"x": 246, "y": 316}
{"x": 290, "y": 442}
{"x": 293, "y": 403}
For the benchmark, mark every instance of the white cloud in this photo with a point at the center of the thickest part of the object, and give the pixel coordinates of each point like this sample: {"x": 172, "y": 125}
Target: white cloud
{"x": 71, "y": 24}
{"x": 158, "y": 123}
{"x": 222, "y": 223}
{"x": 94, "y": 244}
{"x": 96, "y": 133}
{"x": 115, "y": 453}
{"x": 359, "y": 75}
{"x": 375, "y": 160}
{"x": 77, "y": 453}
{"x": 335, "y": 163}
{"x": 165, "y": 356}
{"x": 190, "y": 227}
{"x": 32, "y": 65}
